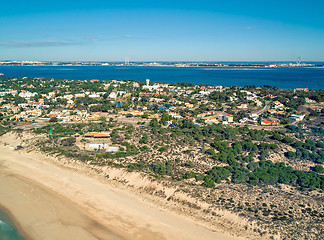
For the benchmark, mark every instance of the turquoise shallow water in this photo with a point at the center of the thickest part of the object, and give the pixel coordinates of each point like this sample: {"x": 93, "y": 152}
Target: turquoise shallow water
{"x": 8, "y": 231}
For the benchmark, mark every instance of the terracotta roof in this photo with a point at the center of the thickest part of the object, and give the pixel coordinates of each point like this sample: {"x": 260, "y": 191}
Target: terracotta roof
{"x": 266, "y": 121}
{"x": 95, "y": 134}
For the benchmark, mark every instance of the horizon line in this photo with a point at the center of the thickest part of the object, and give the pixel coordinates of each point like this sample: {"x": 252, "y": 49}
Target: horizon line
{"x": 145, "y": 61}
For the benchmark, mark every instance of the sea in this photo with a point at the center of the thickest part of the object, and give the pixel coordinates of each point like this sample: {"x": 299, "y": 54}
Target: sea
{"x": 284, "y": 78}
{"x": 8, "y": 230}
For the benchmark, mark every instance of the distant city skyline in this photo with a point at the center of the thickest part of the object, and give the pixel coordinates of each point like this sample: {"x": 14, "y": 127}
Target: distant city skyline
{"x": 162, "y": 30}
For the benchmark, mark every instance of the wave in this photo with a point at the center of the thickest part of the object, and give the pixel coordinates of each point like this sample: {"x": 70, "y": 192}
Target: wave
{"x": 5, "y": 227}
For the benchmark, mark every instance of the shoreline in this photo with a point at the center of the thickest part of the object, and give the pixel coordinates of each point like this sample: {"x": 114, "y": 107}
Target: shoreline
{"x": 15, "y": 222}
{"x": 41, "y": 213}
{"x": 71, "y": 201}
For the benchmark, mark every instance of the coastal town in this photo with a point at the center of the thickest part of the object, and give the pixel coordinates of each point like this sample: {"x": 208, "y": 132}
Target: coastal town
{"x": 161, "y": 120}
{"x": 24, "y": 100}
{"x": 235, "y": 149}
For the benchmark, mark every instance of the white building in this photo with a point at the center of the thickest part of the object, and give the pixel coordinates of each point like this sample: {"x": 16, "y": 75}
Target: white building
{"x": 7, "y": 92}
{"x": 27, "y": 95}
{"x": 295, "y": 117}
{"x": 204, "y": 93}
{"x": 112, "y": 95}
{"x": 154, "y": 87}
{"x": 94, "y": 95}
{"x": 103, "y": 146}
{"x": 68, "y": 96}
{"x": 254, "y": 116}
{"x": 227, "y": 118}
{"x": 79, "y": 95}
{"x": 157, "y": 100}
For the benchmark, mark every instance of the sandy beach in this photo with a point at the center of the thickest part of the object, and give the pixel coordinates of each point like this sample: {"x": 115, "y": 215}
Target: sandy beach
{"x": 49, "y": 201}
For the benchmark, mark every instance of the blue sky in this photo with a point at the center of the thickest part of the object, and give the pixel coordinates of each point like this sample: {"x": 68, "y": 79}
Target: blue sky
{"x": 162, "y": 30}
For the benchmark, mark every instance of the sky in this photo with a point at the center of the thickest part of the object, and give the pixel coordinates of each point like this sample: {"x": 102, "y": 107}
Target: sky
{"x": 166, "y": 30}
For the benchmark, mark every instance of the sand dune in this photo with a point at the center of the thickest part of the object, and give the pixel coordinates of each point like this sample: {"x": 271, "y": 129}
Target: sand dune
{"x": 52, "y": 202}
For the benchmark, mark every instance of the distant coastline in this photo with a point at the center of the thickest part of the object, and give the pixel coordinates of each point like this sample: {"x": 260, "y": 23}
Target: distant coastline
{"x": 252, "y": 68}
{"x": 223, "y": 64}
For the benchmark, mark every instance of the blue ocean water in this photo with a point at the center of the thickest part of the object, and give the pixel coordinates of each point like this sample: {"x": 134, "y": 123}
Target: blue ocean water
{"x": 8, "y": 230}
{"x": 312, "y": 78}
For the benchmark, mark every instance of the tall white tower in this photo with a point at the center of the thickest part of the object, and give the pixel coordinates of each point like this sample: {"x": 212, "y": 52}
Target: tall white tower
{"x": 147, "y": 82}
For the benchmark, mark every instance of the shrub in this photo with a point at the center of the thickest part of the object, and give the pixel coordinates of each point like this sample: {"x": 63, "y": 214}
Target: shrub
{"x": 188, "y": 164}
{"x": 290, "y": 154}
{"x": 53, "y": 119}
{"x": 208, "y": 182}
{"x": 163, "y": 149}
{"x": 318, "y": 169}
{"x": 287, "y": 140}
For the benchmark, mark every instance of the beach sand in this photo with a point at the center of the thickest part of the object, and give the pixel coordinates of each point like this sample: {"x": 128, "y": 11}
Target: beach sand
{"x": 48, "y": 201}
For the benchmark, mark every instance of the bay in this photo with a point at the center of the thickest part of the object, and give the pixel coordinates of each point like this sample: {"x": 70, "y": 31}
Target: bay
{"x": 312, "y": 78}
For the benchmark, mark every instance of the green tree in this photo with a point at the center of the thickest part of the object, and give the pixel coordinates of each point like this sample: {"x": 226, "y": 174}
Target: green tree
{"x": 53, "y": 119}
{"x": 287, "y": 140}
{"x": 290, "y": 154}
{"x": 318, "y": 169}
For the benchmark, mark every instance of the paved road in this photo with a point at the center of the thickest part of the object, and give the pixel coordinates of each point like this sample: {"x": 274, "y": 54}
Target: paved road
{"x": 265, "y": 109}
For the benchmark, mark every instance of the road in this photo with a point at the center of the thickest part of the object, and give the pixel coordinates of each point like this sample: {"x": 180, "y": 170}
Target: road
{"x": 265, "y": 109}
